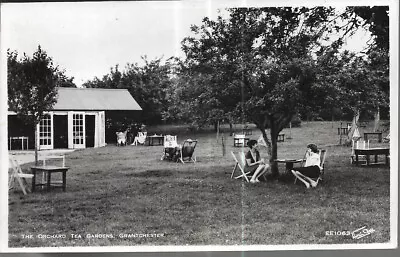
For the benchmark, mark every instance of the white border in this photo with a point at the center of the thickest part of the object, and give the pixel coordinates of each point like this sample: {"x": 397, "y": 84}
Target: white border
{"x": 394, "y": 15}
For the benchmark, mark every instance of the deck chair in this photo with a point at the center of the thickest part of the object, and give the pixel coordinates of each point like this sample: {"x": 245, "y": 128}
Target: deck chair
{"x": 239, "y": 165}
{"x": 17, "y": 174}
{"x": 170, "y": 144}
{"x": 187, "y": 151}
{"x": 121, "y": 138}
{"x": 140, "y": 138}
{"x": 322, "y": 154}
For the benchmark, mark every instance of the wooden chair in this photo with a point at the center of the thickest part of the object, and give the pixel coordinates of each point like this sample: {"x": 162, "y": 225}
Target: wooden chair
{"x": 17, "y": 174}
{"x": 187, "y": 150}
{"x": 322, "y": 154}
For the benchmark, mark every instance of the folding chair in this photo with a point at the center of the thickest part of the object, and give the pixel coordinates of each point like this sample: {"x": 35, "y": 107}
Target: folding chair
{"x": 187, "y": 150}
{"x": 322, "y": 154}
{"x": 239, "y": 166}
{"x": 140, "y": 138}
{"x": 170, "y": 145}
{"x": 17, "y": 174}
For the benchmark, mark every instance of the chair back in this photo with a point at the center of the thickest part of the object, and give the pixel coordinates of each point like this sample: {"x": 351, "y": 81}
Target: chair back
{"x": 188, "y": 147}
{"x": 241, "y": 161}
{"x": 242, "y": 158}
{"x": 170, "y": 141}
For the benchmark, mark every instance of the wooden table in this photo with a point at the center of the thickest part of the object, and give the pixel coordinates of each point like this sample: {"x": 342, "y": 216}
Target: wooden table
{"x": 372, "y": 151}
{"x": 288, "y": 162}
{"x": 159, "y": 139}
{"x": 366, "y": 134}
{"x": 240, "y": 141}
{"x": 22, "y": 141}
{"x": 48, "y": 170}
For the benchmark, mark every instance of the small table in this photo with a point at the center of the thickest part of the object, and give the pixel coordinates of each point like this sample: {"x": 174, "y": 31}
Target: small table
{"x": 366, "y": 134}
{"x": 240, "y": 141}
{"x": 22, "y": 141}
{"x": 372, "y": 151}
{"x": 49, "y": 169}
{"x": 288, "y": 163}
{"x": 160, "y": 139}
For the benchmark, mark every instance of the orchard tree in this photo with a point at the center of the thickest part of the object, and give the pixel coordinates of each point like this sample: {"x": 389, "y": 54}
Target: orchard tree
{"x": 32, "y": 86}
{"x": 147, "y": 84}
{"x": 262, "y": 61}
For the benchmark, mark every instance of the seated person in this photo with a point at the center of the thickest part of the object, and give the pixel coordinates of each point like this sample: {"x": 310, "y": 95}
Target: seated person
{"x": 254, "y": 164}
{"x": 311, "y": 168}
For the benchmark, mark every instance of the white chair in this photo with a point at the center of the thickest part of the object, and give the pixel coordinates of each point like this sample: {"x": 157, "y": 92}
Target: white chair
{"x": 170, "y": 145}
{"x": 121, "y": 138}
{"x": 17, "y": 174}
{"x": 140, "y": 138}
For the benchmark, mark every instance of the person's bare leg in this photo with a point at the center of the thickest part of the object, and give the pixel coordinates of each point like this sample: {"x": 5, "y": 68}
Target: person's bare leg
{"x": 256, "y": 173}
{"x": 312, "y": 182}
{"x": 263, "y": 171}
{"x": 295, "y": 173}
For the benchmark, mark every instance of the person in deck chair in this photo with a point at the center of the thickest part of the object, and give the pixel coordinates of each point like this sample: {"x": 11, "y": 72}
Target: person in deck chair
{"x": 254, "y": 163}
{"x": 311, "y": 168}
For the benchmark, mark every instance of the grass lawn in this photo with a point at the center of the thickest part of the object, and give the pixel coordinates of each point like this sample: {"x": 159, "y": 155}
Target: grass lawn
{"x": 129, "y": 190}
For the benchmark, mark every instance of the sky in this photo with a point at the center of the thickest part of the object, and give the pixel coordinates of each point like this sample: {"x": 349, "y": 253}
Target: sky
{"x": 86, "y": 39}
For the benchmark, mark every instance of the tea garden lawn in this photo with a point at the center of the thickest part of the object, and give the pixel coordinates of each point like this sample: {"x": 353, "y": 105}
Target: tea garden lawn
{"x": 127, "y": 196}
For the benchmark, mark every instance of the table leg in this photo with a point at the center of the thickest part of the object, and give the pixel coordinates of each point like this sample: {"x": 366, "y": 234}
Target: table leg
{"x": 367, "y": 156}
{"x": 376, "y": 158}
{"x": 289, "y": 166}
{"x": 64, "y": 179}
{"x": 33, "y": 180}
{"x": 357, "y": 159}
{"x": 380, "y": 138}
{"x": 48, "y": 180}
{"x": 387, "y": 159}
{"x": 365, "y": 137}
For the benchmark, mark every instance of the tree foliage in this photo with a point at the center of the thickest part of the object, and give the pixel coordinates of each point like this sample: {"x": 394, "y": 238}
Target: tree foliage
{"x": 148, "y": 84}
{"x": 32, "y": 85}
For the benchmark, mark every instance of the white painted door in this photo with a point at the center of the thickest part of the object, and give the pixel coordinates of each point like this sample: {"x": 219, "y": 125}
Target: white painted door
{"x": 102, "y": 129}
{"x": 45, "y": 131}
{"x": 78, "y": 130}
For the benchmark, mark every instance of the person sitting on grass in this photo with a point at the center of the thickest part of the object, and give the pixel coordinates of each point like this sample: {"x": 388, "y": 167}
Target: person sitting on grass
{"x": 311, "y": 168}
{"x": 254, "y": 164}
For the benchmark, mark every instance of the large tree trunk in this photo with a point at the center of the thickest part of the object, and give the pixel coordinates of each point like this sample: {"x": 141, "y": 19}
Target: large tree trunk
{"x": 274, "y": 150}
{"x": 36, "y": 146}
